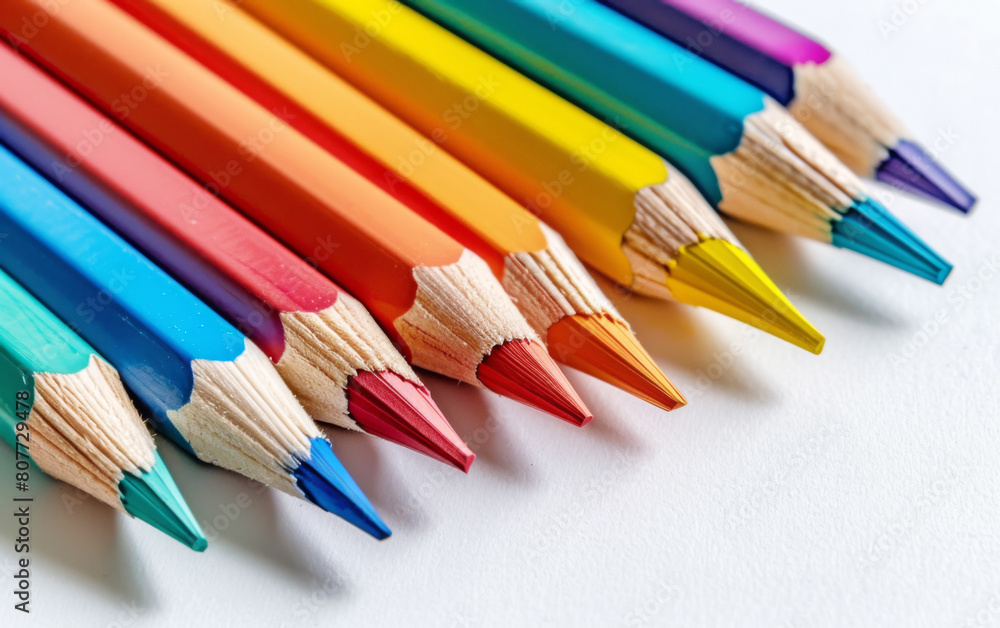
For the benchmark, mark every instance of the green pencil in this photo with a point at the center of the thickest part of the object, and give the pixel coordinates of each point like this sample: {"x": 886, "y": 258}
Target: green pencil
{"x": 64, "y": 407}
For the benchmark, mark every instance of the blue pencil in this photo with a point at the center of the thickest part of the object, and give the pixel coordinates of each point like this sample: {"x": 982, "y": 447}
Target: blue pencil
{"x": 745, "y": 152}
{"x": 206, "y": 387}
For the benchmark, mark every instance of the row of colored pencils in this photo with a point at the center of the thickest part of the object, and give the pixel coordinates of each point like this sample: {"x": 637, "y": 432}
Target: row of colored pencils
{"x": 243, "y": 217}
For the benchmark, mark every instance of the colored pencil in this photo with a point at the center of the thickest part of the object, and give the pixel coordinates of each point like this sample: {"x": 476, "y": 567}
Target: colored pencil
{"x": 206, "y": 386}
{"x": 545, "y": 280}
{"x": 325, "y": 345}
{"x": 436, "y": 299}
{"x": 742, "y": 149}
{"x": 608, "y": 196}
{"x": 65, "y": 408}
{"x": 817, "y": 86}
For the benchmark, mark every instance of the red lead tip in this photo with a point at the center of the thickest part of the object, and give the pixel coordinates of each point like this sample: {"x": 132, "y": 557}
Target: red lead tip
{"x": 402, "y": 411}
{"x": 523, "y": 371}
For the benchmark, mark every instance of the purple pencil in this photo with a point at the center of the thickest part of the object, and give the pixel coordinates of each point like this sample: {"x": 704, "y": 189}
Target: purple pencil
{"x": 815, "y": 84}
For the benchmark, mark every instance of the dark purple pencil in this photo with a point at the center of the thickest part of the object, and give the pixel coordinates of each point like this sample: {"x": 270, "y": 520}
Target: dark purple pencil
{"x": 816, "y": 85}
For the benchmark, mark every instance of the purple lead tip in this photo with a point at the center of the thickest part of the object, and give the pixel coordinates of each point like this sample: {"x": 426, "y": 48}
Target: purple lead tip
{"x": 911, "y": 169}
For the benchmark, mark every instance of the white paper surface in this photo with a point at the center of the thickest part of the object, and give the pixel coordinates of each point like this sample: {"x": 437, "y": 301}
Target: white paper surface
{"x": 849, "y": 489}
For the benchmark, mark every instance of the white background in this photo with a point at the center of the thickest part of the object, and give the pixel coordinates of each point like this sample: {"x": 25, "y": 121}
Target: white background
{"x": 794, "y": 491}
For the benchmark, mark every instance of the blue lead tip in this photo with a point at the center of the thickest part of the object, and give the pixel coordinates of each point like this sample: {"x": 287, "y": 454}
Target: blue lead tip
{"x": 325, "y": 482}
{"x": 909, "y": 168}
{"x": 869, "y": 229}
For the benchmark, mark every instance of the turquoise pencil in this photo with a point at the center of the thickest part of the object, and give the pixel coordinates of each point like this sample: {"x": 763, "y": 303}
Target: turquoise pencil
{"x": 63, "y": 407}
{"x": 744, "y": 151}
{"x": 206, "y": 387}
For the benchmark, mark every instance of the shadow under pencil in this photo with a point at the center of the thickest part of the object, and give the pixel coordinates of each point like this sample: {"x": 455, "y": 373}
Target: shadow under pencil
{"x": 785, "y": 260}
{"x": 238, "y": 511}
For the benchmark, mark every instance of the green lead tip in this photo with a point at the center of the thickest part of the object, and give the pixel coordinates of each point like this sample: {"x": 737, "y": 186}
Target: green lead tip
{"x": 154, "y": 498}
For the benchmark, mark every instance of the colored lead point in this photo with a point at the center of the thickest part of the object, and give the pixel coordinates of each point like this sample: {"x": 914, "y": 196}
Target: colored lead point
{"x": 402, "y": 411}
{"x": 325, "y": 482}
{"x": 523, "y": 371}
{"x": 604, "y": 347}
{"x": 909, "y": 168}
{"x": 868, "y": 228}
{"x": 720, "y": 276}
{"x": 153, "y": 497}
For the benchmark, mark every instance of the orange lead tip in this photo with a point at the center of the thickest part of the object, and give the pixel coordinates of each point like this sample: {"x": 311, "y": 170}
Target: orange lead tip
{"x": 602, "y": 346}
{"x": 403, "y": 412}
{"x": 523, "y": 370}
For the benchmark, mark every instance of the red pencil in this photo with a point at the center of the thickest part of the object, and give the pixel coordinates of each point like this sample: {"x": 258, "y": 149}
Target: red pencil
{"x": 324, "y": 343}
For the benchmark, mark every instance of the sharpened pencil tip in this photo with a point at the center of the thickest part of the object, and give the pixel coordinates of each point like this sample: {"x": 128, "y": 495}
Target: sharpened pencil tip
{"x": 720, "y": 276}
{"x": 870, "y": 229}
{"x": 911, "y": 169}
{"x": 602, "y": 346}
{"x": 153, "y": 497}
{"x": 402, "y": 411}
{"x": 523, "y": 371}
{"x": 325, "y": 482}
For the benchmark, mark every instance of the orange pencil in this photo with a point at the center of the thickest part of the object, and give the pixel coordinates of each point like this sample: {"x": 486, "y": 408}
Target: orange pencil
{"x": 545, "y": 279}
{"x": 437, "y": 299}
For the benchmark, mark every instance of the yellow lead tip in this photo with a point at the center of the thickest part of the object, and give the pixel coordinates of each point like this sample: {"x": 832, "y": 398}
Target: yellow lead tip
{"x": 603, "y": 346}
{"x": 720, "y": 276}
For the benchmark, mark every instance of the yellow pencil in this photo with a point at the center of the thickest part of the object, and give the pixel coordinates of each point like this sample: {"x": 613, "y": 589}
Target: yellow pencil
{"x": 609, "y": 197}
